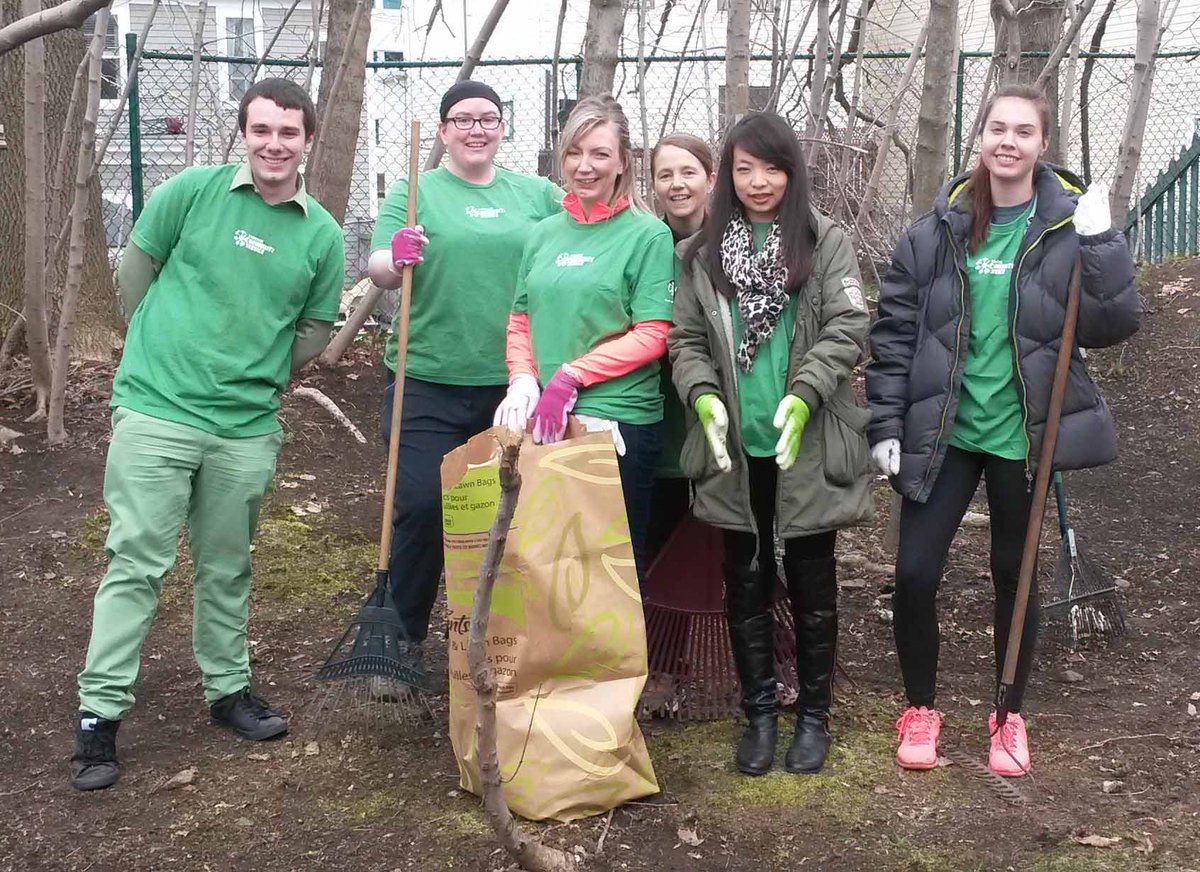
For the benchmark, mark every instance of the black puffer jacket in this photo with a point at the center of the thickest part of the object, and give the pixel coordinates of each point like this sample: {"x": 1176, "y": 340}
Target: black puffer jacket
{"x": 919, "y": 342}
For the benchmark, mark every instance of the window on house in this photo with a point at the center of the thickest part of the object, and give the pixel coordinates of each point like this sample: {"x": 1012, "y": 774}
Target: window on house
{"x": 378, "y": 133}
{"x": 380, "y": 185}
{"x": 509, "y": 119}
{"x": 239, "y": 36}
{"x": 389, "y": 4}
{"x": 110, "y": 63}
{"x": 393, "y": 57}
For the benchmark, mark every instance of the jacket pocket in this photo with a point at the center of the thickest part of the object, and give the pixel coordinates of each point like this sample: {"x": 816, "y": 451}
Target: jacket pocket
{"x": 844, "y": 434}
{"x": 693, "y": 457}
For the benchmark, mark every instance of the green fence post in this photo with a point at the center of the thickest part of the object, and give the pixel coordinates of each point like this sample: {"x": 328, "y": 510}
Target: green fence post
{"x": 958, "y": 111}
{"x": 1169, "y": 230}
{"x": 135, "y": 132}
{"x": 1194, "y": 207}
{"x": 1181, "y": 201}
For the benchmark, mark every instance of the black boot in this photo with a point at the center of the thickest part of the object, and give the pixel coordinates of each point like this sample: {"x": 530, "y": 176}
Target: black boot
{"x": 812, "y": 586}
{"x": 747, "y": 601}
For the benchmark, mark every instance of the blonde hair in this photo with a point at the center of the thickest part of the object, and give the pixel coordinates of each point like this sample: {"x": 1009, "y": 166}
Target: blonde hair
{"x": 588, "y": 114}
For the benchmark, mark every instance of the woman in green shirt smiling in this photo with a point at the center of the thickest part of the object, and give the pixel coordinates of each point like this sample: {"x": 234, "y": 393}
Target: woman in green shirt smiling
{"x": 963, "y": 355}
{"x": 593, "y": 304}
{"x": 769, "y": 323}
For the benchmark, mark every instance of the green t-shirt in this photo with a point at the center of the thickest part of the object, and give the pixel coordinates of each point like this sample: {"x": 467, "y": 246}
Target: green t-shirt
{"x": 761, "y": 389}
{"x": 463, "y": 291}
{"x": 584, "y": 283}
{"x": 989, "y": 416}
{"x": 210, "y": 344}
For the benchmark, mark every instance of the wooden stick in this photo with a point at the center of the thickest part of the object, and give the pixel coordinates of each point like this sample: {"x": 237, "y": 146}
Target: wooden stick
{"x": 1037, "y": 511}
{"x": 389, "y": 491}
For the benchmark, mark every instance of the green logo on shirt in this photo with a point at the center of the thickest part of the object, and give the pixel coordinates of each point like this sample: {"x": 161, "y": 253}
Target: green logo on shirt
{"x": 248, "y": 241}
{"x": 567, "y": 259}
{"x": 484, "y": 211}
{"x": 987, "y": 266}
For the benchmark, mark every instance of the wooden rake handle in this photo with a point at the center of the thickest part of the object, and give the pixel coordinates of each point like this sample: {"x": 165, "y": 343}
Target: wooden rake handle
{"x": 1041, "y": 487}
{"x": 389, "y": 490}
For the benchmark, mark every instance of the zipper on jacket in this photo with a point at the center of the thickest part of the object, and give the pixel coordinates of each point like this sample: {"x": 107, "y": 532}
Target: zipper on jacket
{"x": 962, "y": 308}
{"x": 1022, "y": 392}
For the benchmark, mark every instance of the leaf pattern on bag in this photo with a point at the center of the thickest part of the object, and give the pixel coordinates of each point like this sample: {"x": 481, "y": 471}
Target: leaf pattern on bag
{"x": 585, "y": 747}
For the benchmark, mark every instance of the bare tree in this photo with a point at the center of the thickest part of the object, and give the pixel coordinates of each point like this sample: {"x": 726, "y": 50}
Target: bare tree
{"x": 647, "y": 188}
{"x": 816, "y": 87}
{"x": 1153, "y": 17}
{"x": 1067, "y": 104}
{"x": 737, "y": 60}
{"x": 37, "y": 338}
{"x": 603, "y": 36}
{"x": 933, "y": 119}
{"x": 38, "y": 22}
{"x": 473, "y": 56}
{"x": 189, "y": 144}
{"x": 889, "y": 128}
{"x": 56, "y": 432}
{"x": 1041, "y": 29}
{"x": 554, "y": 121}
{"x": 330, "y": 167}
{"x": 1085, "y": 82}
{"x": 687, "y": 41}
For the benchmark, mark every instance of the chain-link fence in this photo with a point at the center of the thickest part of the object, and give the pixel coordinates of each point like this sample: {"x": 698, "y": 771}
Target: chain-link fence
{"x": 671, "y": 94}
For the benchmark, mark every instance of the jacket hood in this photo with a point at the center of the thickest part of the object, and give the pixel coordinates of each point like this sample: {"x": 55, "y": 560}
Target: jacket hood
{"x": 1057, "y": 190}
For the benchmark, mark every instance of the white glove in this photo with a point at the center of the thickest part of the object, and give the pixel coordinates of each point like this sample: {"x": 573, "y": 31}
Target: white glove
{"x": 518, "y": 404}
{"x": 886, "y": 455}
{"x": 603, "y": 425}
{"x": 715, "y": 420}
{"x": 1091, "y": 212}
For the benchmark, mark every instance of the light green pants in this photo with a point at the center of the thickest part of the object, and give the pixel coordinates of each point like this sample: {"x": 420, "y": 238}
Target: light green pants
{"x": 160, "y": 474}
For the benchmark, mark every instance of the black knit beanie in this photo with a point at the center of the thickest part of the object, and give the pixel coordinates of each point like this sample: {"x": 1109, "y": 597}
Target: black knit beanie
{"x": 465, "y": 90}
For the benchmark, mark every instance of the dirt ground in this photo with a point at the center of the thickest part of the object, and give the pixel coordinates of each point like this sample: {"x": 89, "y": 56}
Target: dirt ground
{"x": 1115, "y": 737}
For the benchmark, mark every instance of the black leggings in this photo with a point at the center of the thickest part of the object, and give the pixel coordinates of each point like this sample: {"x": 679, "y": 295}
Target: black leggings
{"x": 742, "y": 548}
{"x": 926, "y": 531}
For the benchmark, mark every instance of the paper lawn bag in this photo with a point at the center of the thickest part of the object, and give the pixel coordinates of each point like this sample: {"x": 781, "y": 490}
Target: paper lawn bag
{"x": 566, "y": 635}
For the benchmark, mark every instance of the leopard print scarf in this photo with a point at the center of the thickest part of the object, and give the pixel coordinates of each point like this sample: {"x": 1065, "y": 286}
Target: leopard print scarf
{"x": 761, "y": 283}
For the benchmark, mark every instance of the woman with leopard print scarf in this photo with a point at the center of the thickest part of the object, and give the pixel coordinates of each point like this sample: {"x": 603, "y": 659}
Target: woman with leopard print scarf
{"x": 769, "y": 322}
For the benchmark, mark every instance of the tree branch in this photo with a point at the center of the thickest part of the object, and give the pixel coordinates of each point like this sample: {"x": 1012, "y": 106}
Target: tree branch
{"x": 61, "y": 17}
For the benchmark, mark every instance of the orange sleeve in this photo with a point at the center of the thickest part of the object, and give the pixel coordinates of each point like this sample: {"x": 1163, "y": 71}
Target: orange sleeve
{"x": 644, "y": 343}
{"x": 518, "y": 347}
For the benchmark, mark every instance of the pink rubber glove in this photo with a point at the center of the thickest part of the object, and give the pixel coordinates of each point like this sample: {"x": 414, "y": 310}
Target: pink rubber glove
{"x": 550, "y": 415}
{"x": 407, "y": 245}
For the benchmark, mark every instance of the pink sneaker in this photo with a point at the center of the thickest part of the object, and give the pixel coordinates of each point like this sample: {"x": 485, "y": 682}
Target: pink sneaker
{"x": 918, "y": 729}
{"x": 1010, "y": 747}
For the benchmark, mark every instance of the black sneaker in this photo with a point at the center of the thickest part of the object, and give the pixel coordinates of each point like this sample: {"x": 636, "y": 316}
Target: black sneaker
{"x": 248, "y": 715}
{"x": 94, "y": 763}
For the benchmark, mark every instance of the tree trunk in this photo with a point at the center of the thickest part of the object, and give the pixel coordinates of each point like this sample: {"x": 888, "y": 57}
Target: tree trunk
{"x": 1085, "y": 81}
{"x": 1067, "y": 105}
{"x": 40, "y": 22}
{"x": 937, "y": 92}
{"x": 37, "y": 338}
{"x": 1041, "y": 26}
{"x": 605, "y": 21}
{"x": 331, "y": 166}
{"x": 816, "y": 87}
{"x": 1130, "y": 157}
{"x": 56, "y": 432}
{"x": 99, "y": 325}
{"x": 189, "y": 144}
{"x": 737, "y": 61}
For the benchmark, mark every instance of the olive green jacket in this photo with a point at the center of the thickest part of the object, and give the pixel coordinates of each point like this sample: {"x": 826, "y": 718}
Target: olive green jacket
{"x": 828, "y": 487}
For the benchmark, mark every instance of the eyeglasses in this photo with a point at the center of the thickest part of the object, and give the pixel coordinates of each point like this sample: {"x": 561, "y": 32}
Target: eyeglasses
{"x": 466, "y": 122}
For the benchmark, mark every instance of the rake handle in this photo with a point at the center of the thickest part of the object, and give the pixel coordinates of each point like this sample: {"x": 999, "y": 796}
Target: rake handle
{"x": 1060, "y": 499}
{"x": 389, "y": 490}
{"x": 1037, "y": 510}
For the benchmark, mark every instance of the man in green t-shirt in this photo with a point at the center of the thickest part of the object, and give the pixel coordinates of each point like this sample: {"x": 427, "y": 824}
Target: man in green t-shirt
{"x": 232, "y": 282}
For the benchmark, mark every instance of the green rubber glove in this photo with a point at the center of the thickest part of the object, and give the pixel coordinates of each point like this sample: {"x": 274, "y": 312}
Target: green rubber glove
{"x": 790, "y": 418}
{"x": 715, "y": 421}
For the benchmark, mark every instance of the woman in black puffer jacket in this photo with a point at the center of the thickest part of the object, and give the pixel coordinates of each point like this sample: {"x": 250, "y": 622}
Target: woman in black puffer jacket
{"x": 963, "y": 354}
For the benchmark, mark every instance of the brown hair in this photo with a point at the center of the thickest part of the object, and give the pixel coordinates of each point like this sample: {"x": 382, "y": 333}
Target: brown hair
{"x": 979, "y": 186}
{"x": 693, "y": 145}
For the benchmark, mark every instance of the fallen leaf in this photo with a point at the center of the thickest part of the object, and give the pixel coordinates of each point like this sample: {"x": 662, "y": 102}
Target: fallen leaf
{"x": 1192, "y": 709}
{"x": 180, "y": 779}
{"x": 16, "y": 449}
{"x": 1070, "y": 676}
{"x": 1112, "y": 786}
{"x": 1096, "y": 841}
{"x": 312, "y": 749}
{"x": 57, "y": 534}
{"x": 7, "y": 435}
{"x": 289, "y": 484}
{"x": 244, "y": 822}
{"x": 258, "y": 757}
{"x": 974, "y": 702}
{"x": 689, "y": 837}
{"x": 304, "y": 476}
{"x": 1195, "y": 697}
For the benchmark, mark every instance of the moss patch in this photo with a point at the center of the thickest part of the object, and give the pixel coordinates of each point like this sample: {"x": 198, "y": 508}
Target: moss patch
{"x": 1078, "y": 858}
{"x": 860, "y": 758}
{"x": 93, "y": 530}
{"x": 370, "y": 806}
{"x": 296, "y": 562}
